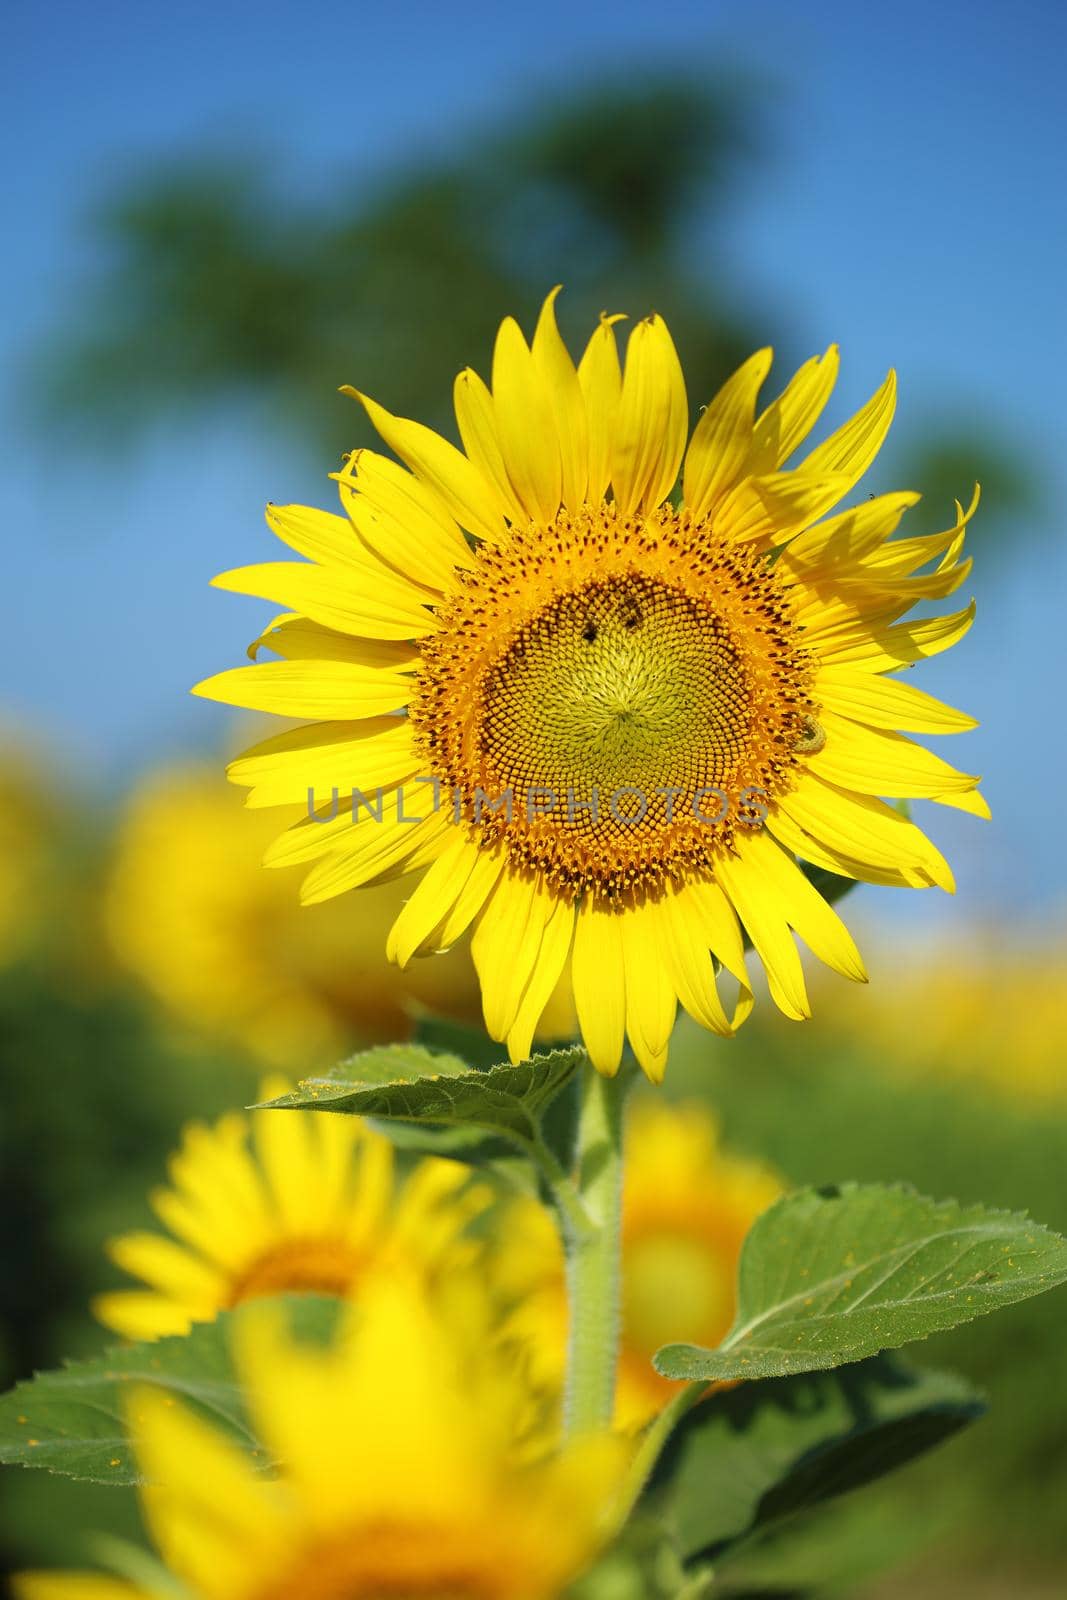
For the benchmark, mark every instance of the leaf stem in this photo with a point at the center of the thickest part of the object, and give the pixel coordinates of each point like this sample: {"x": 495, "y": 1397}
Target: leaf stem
{"x": 651, "y": 1446}
{"x": 593, "y": 1258}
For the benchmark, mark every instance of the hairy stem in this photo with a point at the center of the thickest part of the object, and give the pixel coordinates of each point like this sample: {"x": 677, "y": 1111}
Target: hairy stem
{"x": 593, "y": 1259}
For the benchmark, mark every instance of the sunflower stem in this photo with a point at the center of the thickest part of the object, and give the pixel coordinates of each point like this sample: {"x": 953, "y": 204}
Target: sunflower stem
{"x": 593, "y": 1258}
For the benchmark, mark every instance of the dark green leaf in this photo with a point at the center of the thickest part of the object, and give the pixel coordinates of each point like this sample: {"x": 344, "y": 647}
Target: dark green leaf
{"x": 833, "y": 1275}
{"x": 408, "y": 1084}
{"x": 752, "y": 1455}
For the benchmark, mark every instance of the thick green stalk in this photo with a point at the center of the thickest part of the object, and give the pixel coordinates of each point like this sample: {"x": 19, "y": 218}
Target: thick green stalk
{"x": 593, "y": 1258}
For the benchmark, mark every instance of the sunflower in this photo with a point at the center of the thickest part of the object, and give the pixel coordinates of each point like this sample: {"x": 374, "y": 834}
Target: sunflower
{"x": 687, "y": 1206}
{"x": 280, "y": 1202}
{"x": 227, "y": 950}
{"x": 607, "y": 726}
{"x": 405, "y": 1473}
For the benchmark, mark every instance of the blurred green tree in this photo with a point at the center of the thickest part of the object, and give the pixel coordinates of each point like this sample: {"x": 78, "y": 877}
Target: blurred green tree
{"x": 218, "y": 286}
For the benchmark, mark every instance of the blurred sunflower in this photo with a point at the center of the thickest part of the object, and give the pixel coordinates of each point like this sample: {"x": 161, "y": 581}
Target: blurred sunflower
{"x": 990, "y": 1009}
{"x": 687, "y": 1206}
{"x": 608, "y": 695}
{"x": 285, "y": 1201}
{"x": 405, "y": 1473}
{"x": 224, "y": 945}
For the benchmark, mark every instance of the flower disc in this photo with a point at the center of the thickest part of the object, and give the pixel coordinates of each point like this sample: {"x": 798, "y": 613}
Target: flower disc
{"x": 611, "y": 697}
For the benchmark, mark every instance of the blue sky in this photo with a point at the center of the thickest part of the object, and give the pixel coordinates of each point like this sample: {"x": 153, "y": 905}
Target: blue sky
{"x": 914, "y": 213}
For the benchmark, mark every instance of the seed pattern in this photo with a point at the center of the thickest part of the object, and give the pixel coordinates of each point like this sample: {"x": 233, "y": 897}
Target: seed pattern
{"x": 607, "y": 672}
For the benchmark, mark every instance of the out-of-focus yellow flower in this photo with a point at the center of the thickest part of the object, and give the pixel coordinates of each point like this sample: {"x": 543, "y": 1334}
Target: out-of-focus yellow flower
{"x": 229, "y": 951}
{"x": 405, "y": 1471}
{"x": 990, "y": 1010}
{"x": 687, "y": 1206}
{"x": 285, "y": 1201}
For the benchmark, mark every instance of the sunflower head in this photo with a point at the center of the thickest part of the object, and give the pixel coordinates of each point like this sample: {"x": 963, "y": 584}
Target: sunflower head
{"x": 406, "y": 1469}
{"x": 608, "y": 685}
{"x": 286, "y": 1202}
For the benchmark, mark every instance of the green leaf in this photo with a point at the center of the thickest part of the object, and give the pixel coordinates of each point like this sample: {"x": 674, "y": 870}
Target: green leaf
{"x": 72, "y": 1421}
{"x": 752, "y": 1455}
{"x": 833, "y": 1275}
{"x": 409, "y": 1084}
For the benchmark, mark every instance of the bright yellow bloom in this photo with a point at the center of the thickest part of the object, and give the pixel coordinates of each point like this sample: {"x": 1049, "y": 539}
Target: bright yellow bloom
{"x": 311, "y": 1204}
{"x": 687, "y": 1206}
{"x": 625, "y": 719}
{"x": 405, "y": 1472}
{"x": 225, "y": 947}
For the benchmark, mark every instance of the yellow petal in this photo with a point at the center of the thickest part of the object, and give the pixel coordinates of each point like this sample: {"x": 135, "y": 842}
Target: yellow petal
{"x": 325, "y": 689}
{"x": 526, "y": 424}
{"x": 885, "y": 649}
{"x": 298, "y": 639}
{"x": 360, "y": 603}
{"x": 167, "y": 1267}
{"x": 653, "y": 420}
{"x": 598, "y": 977}
{"x": 651, "y": 1003}
{"x": 706, "y": 903}
{"x": 372, "y": 848}
{"x": 771, "y": 509}
{"x": 768, "y": 929}
{"x": 973, "y": 803}
{"x": 853, "y": 447}
{"x": 384, "y": 505}
{"x": 215, "y": 1522}
{"x": 865, "y": 830}
{"x": 464, "y": 491}
{"x": 899, "y": 557}
{"x": 433, "y": 898}
{"x": 556, "y": 940}
{"x": 600, "y": 377}
{"x": 799, "y": 843}
{"x": 803, "y": 907}
{"x": 886, "y": 703}
{"x": 319, "y": 535}
{"x": 788, "y": 420}
{"x": 476, "y": 416}
{"x": 848, "y": 537}
{"x": 552, "y": 358}
{"x": 287, "y": 1151}
{"x": 140, "y": 1314}
{"x": 504, "y": 947}
{"x": 685, "y": 950}
{"x": 881, "y": 763}
{"x": 722, "y": 440}
{"x": 337, "y": 820}
{"x": 326, "y": 755}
